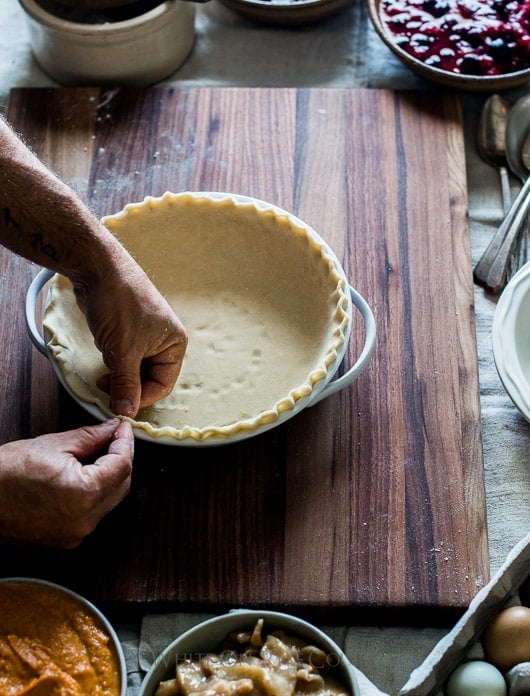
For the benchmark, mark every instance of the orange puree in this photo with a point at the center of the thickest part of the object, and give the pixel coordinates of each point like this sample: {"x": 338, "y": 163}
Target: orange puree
{"x": 50, "y": 645}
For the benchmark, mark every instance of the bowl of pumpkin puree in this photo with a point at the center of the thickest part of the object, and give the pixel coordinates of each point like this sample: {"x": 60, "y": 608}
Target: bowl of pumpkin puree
{"x": 53, "y": 641}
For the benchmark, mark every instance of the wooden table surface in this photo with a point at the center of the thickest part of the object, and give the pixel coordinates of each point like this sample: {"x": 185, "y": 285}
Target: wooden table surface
{"x": 370, "y": 505}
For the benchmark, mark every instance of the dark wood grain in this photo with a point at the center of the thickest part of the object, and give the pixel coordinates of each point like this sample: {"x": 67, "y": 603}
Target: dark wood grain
{"x": 371, "y": 503}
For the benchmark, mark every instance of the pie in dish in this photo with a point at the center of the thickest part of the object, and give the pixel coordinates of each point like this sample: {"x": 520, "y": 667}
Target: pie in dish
{"x": 264, "y": 301}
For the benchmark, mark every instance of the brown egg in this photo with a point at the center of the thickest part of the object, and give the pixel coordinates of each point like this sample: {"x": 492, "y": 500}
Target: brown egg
{"x": 506, "y": 639}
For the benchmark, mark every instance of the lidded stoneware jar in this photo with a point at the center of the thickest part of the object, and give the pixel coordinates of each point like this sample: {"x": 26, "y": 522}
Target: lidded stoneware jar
{"x": 114, "y": 42}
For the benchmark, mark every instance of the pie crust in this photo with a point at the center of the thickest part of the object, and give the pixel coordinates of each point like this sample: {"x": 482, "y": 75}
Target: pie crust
{"x": 263, "y": 299}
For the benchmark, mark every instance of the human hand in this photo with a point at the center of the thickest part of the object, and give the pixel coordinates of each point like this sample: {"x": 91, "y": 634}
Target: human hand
{"x": 142, "y": 341}
{"x": 48, "y": 496}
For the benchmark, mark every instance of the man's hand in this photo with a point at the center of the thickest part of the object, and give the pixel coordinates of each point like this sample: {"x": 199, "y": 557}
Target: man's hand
{"x": 140, "y": 337}
{"x": 43, "y": 219}
{"x": 50, "y": 496}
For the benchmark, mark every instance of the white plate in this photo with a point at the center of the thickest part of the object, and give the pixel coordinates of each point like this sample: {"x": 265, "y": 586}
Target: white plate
{"x": 511, "y": 339}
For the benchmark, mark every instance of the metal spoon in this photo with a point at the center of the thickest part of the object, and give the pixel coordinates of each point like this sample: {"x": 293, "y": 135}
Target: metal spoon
{"x": 491, "y": 147}
{"x": 517, "y": 132}
{"x": 492, "y": 269}
{"x": 522, "y": 246}
{"x": 491, "y": 141}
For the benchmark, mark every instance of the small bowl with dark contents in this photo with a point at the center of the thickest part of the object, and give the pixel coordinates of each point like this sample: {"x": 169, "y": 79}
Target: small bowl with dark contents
{"x": 247, "y": 651}
{"x": 470, "y": 45}
{"x": 110, "y": 41}
{"x": 286, "y": 12}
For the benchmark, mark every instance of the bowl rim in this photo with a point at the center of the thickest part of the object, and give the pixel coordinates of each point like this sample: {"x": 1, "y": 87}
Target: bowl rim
{"x": 237, "y": 619}
{"x": 463, "y": 81}
{"x": 84, "y": 29}
{"x": 288, "y": 14}
{"x": 289, "y": 5}
{"x": 120, "y": 655}
{"x": 506, "y": 318}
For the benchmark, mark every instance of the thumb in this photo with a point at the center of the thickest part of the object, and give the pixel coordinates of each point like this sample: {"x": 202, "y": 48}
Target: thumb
{"x": 125, "y": 389}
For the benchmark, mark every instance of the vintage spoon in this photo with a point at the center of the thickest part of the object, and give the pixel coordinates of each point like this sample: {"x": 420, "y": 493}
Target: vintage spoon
{"x": 492, "y": 269}
{"x": 517, "y": 132}
{"x": 522, "y": 247}
{"x": 491, "y": 141}
{"x": 492, "y": 148}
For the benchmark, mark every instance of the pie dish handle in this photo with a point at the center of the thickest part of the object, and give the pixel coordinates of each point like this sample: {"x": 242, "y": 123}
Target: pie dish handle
{"x": 40, "y": 280}
{"x": 365, "y": 355}
{"x": 32, "y": 296}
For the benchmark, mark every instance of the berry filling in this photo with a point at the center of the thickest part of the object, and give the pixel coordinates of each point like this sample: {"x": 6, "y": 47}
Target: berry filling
{"x": 470, "y": 37}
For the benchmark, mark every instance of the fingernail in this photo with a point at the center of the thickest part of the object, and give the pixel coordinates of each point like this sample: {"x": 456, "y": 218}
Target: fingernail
{"x": 123, "y": 407}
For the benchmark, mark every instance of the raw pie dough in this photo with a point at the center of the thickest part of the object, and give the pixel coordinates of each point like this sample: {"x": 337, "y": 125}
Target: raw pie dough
{"x": 262, "y": 299}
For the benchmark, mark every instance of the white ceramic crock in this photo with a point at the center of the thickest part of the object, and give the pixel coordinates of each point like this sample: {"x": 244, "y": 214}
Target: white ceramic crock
{"x": 138, "y": 51}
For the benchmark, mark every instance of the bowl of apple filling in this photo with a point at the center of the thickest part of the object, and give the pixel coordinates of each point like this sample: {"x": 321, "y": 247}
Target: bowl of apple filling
{"x": 252, "y": 652}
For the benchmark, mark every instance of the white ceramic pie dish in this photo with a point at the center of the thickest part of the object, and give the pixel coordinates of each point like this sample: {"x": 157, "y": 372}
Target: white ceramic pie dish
{"x": 511, "y": 339}
{"x": 318, "y": 383}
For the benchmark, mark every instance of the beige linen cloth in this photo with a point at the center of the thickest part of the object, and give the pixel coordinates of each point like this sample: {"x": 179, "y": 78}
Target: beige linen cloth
{"x": 343, "y": 51}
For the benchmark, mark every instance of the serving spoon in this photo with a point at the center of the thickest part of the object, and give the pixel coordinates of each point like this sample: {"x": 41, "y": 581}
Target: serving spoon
{"x": 491, "y": 142}
{"x": 492, "y": 269}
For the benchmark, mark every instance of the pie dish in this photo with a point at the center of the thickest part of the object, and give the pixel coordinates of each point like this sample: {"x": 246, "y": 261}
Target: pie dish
{"x": 511, "y": 339}
{"x": 265, "y": 302}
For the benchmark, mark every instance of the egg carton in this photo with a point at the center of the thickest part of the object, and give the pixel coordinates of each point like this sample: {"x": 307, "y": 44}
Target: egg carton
{"x": 463, "y": 641}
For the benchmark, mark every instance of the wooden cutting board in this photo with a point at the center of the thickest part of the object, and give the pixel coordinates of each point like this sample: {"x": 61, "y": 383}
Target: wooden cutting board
{"x": 368, "y": 506}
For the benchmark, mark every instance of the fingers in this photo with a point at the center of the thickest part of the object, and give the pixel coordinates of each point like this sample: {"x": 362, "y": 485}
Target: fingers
{"x": 132, "y": 385}
{"x": 89, "y": 440}
{"x": 160, "y": 373}
{"x": 114, "y": 467}
{"x": 110, "y": 470}
{"x": 123, "y": 442}
{"x": 141, "y": 339}
{"x": 109, "y": 477}
{"x": 125, "y": 389}
{"x": 68, "y": 497}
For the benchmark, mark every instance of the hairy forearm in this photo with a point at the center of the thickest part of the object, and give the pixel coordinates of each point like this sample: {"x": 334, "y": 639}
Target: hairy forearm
{"x": 42, "y": 219}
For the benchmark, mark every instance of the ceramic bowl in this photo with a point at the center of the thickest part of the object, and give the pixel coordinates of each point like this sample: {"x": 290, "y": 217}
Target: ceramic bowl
{"x": 266, "y": 303}
{"x": 286, "y": 12}
{"x": 209, "y": 635}
{"x": 61, "y": 608}
{"x": 92, "y": 4}
{"x": 472, "y": 83}
{"x": 138, "y": 51}
{"x": 511, "y": 339}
